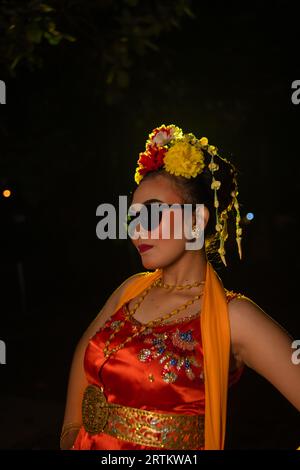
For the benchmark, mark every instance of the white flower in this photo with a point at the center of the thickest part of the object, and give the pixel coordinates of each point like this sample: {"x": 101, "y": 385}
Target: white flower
{"x": 163, "y": 138}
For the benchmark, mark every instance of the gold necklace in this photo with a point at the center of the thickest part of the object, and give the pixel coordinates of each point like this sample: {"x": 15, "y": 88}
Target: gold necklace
{"x": 149, "y": 324}
{"x": 160, "y": 283}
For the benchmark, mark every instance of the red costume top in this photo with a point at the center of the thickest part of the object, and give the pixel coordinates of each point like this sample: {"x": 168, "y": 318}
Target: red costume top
{"x": 159, "y": 370}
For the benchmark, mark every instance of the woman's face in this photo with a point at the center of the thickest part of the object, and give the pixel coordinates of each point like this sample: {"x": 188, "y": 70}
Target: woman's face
{"x": 164, "y": 251}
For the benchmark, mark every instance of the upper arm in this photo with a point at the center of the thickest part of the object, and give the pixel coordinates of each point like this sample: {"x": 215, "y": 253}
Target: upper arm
{"x": 264, "y": 346}
{"x": 77, "y": 378}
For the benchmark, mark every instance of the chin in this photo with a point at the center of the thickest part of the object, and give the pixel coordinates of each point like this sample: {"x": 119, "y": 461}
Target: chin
{"x": 155, "y": 263}
{"x": 149, "y": 264}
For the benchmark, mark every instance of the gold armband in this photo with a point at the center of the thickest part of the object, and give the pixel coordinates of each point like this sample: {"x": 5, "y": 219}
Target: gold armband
{"x": 67, "y": 429}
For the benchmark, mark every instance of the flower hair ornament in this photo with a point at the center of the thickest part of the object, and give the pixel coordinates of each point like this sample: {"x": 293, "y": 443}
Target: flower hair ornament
{"x": 183, "y": 155}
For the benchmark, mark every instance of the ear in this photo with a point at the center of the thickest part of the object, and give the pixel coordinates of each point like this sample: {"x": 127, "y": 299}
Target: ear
{"x": 206, "y": 216}
{"x": 202, "y": 215}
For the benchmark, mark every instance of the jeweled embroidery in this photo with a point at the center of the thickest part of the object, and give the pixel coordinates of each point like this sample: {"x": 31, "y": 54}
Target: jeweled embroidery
{"x": 115, "y": 324}
{"x": 184, "y": 340}
{"x": 161, "y": 347}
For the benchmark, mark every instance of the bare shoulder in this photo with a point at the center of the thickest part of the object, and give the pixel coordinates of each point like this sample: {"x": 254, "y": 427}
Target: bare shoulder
{"x": 243, "y": 312}
{"x": 248, "y": 323}
{"x": 241, "y": 306}
{"x": 110, "y": 305}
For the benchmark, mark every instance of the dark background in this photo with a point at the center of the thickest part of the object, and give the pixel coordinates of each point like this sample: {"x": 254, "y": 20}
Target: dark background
{"x": 82, "y": 97}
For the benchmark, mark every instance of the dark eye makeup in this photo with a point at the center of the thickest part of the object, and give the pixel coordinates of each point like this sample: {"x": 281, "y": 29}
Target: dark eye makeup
{"x": 151, "y": 218}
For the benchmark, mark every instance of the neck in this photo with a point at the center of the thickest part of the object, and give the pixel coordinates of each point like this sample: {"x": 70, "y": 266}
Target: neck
{"x": 191, "y": 267}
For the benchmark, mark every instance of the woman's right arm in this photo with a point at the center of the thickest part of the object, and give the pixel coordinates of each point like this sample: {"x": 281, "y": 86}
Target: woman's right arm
{"x": 77, "y": 378}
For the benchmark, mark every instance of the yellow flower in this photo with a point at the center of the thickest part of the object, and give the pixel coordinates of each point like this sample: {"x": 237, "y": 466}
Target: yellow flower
{"x": 138, "y": 177}
{"x": 213, "y": 166}
{"x": 215, "y": 184}
{"x": 203, "y": 141}
{"x": 221, "y": 251}
{"x": 184, "y": 159}
{"x": 212, "y": 150}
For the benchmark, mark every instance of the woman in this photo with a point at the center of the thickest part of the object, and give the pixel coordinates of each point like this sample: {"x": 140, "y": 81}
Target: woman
{"x": 152, "y": 370}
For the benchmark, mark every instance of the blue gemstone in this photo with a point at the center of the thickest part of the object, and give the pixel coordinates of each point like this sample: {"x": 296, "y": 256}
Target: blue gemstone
{"x": 186, "y": 336}
{"x": 187, "y": 363}
{"x": 157, "y": 341}
{"x": 173, "y": 362}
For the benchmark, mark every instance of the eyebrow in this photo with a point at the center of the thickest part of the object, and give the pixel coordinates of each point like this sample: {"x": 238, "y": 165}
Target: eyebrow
{"x": 151, "y": 200}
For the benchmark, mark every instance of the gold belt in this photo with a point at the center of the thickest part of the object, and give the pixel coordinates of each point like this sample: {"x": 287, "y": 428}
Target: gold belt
{"x": 149, "y": 428}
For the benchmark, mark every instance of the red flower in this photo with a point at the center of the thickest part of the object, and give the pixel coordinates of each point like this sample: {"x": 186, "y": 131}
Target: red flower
{"x": 151, "y": 159}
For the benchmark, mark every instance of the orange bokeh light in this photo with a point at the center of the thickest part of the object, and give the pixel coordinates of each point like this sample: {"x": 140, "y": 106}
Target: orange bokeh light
{"x": 6, "y": 193}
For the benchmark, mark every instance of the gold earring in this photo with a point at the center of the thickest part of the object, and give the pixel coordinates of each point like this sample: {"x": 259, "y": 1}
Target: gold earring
{"x": 196, "y": 231}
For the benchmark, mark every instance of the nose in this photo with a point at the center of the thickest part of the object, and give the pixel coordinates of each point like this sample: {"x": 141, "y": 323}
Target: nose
{"x": 138, "y": 232}
{"x": 143, "y": 233}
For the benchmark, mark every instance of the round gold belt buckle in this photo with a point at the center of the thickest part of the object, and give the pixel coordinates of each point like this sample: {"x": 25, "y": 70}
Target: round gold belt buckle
{"x": 94, "y": 409}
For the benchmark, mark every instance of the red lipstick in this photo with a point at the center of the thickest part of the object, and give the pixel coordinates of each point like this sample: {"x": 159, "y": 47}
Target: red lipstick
{"x": 143, "y": 247}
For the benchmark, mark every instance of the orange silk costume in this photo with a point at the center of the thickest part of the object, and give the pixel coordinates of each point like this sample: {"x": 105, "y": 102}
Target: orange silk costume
{"x": 181, "y": 367}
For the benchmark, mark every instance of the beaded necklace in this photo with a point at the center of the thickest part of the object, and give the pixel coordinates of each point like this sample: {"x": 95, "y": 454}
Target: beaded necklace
{"x": 160, "y": 283}
{"x": 151, "y": 323}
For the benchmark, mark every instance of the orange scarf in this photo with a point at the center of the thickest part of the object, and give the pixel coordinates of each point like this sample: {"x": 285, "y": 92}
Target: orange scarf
{"x": 215, "y": 332}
